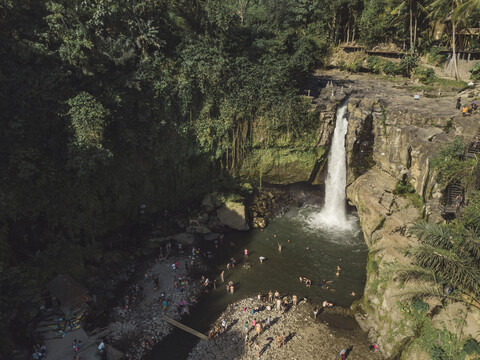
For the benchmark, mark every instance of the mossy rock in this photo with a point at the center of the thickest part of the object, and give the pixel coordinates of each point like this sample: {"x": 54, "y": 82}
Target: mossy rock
{"x": 281, "y": 165}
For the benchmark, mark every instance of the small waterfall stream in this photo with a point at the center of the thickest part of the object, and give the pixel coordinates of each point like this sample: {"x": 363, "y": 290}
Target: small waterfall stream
{"x": 334, "y": 213}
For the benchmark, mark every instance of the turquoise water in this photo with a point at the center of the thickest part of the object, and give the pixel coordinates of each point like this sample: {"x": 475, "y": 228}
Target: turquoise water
{"x": 308, "y": 250}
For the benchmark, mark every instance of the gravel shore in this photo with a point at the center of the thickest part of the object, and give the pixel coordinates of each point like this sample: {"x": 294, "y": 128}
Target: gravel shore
{"x": 133, "y": 327}
{"x": 305, "y": 337}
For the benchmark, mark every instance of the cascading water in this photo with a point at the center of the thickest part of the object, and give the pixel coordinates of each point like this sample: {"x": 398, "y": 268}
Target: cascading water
{"x": 334, "y": 213}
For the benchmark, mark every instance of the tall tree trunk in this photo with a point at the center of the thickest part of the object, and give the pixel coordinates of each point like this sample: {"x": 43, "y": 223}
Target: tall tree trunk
{"x": 415, "y": 34}
{"x": 454, "y": 55}
{"x": 411, "y": 25}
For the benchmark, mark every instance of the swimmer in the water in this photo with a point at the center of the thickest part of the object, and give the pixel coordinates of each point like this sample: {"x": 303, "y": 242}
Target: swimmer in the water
{"x": 353, "y": 293}
{"x": 279, "y": 247}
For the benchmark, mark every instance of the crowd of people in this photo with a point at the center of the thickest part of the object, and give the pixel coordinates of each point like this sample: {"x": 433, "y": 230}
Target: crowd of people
{"x": 39, "y": 351}
{"x": 467, "y": 109}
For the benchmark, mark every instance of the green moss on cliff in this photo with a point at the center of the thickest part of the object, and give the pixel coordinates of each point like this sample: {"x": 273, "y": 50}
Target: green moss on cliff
{"x": 281, "y": 165}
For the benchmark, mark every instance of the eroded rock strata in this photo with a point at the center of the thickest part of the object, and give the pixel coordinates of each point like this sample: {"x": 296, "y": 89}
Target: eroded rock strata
{"x": 397, "y": 136}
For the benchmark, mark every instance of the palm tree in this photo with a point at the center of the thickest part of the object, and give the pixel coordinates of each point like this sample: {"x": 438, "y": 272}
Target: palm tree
{"x": 445, "y": 258}
{"x": 415, "y": 8}
{"x": 456, "y": 11}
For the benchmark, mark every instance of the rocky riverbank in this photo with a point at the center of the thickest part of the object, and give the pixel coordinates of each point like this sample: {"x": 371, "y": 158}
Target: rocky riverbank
{"x": 137, "y": 325}
{"x": 305, "y": 337}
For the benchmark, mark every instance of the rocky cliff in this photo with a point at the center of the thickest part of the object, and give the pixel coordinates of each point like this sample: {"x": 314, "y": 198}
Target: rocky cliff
{"x": 391, "y": 139}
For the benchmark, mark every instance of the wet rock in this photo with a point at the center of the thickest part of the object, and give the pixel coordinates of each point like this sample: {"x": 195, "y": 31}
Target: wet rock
{"x": 211, "y": 236}
{"x": 259, "y": 223}
{"x": 233, "y": 215}
{"x": 208, "y": 203}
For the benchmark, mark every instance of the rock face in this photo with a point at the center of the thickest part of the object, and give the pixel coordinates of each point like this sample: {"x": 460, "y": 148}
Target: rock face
{"x": 302, "y": 157}
{"x": 233, "y": 215}
{"x": 391, "y": 138}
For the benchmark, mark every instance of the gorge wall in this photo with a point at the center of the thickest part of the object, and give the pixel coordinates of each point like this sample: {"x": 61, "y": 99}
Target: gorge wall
{"x": 397, "y": 135}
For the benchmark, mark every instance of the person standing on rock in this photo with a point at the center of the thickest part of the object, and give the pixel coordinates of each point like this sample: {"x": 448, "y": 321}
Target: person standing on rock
{"x": 294, "y": 300}
{"x": 279, "y": 304}
{"x": 224, "y": 325}
{"x": 279, "y": 341}
{"x": 458, "y": 202}
{"x": 268, "y": 322}
{"x": 222, "y": 276}
{"x": 246, "y": 254}
{"x": 270, "y": 296}
{"x": 246, "y": 327}
{"x": 315, "y": 312}
{"x": 258, "y": 327}
{"x": 343, "y": 354}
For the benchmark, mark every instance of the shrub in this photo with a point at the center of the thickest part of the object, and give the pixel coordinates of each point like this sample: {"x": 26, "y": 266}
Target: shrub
{"x": 425, "y": 76}
{"x": 342, "y": 65}
{"x": 354, "y": 66}
{"x": 475, "y": 70}
{"x": 407, "y": 64}
{"x": 390, "y": 68}
{"x": 374, "y": 64}
{"x": 403, "y": 187}
{"x": 435, "y": 58}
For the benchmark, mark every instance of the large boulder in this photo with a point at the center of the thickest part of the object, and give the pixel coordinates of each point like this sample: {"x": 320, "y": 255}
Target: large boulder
{"x": 233, "y": 215}
{"x": 208, "y": 203}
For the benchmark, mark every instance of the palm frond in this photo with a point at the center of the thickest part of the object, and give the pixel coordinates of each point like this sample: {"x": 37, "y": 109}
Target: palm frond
{"x": 460, "y": 272}
{"x": 419, "y": 291}
{"x": 433, "y": 235}
{"x": 406, "y": 272}
{"x": 472, "y": 243}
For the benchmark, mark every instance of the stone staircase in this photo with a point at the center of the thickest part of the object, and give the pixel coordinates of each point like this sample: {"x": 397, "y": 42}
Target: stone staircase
{"x": 474, "y": 146}
{"x": 452, "y": 191}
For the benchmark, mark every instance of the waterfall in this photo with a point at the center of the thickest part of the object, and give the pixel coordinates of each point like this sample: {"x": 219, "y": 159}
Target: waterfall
{"x": 334, "y": 212}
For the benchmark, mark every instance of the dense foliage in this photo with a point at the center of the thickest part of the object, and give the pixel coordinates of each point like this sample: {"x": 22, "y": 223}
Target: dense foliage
{"x": 107, "y": 105}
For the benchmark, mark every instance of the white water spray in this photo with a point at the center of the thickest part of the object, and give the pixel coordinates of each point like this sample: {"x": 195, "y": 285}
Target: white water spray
{"x": 334, "y": 213}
